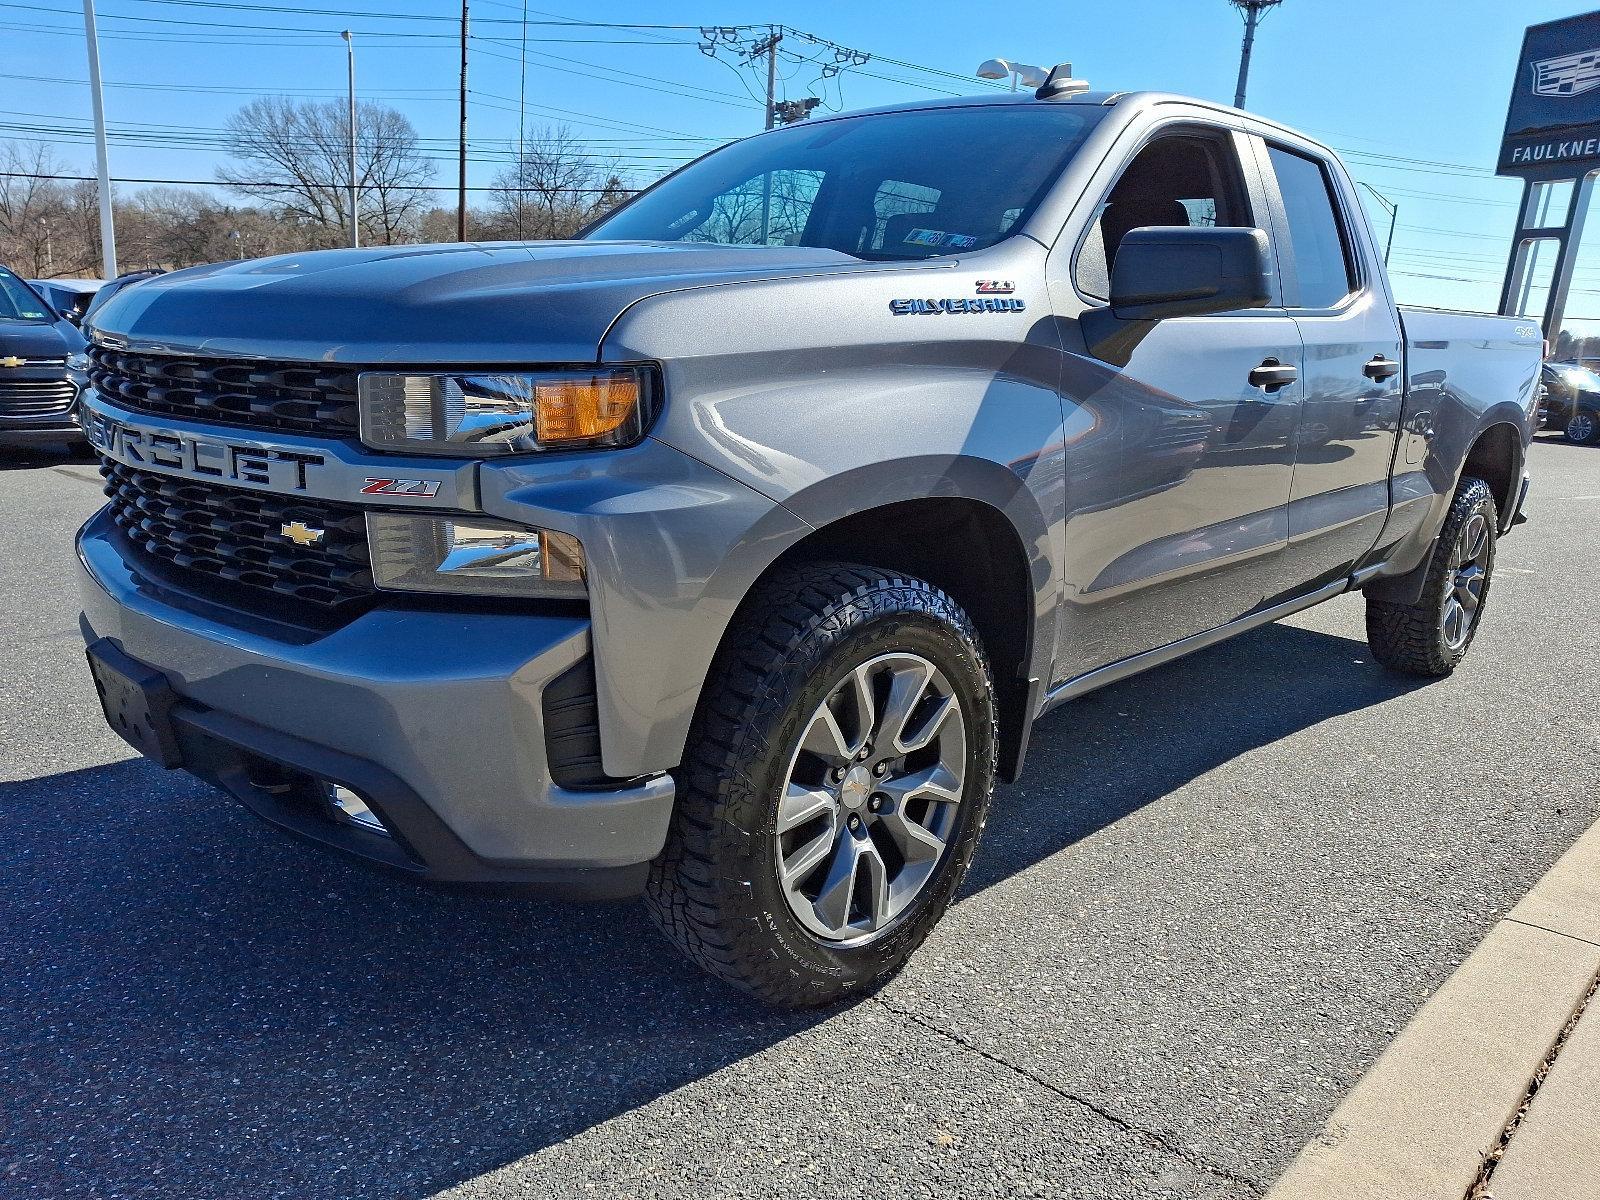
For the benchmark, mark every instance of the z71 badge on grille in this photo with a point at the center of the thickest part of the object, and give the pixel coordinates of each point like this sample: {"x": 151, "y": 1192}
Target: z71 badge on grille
{"x": 401, "y": 487}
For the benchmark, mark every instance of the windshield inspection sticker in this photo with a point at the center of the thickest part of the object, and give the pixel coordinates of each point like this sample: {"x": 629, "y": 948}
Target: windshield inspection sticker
{"x": 938, "y": 237}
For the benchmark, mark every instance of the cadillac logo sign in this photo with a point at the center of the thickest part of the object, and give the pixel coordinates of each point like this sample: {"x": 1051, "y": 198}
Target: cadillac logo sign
{"x": 1553, "y": 120}
{"x": 1569, "y": 75}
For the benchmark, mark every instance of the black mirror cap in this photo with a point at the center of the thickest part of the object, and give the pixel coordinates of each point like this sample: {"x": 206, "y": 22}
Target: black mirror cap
{"x": 1181, "y": 271}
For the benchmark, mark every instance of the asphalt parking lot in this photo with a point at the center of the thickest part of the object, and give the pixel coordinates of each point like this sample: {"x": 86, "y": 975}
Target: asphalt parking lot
{"x": 1218, "y": 892}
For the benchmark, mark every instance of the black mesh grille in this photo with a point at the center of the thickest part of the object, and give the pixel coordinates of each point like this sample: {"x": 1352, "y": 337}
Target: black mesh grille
{"x": 236, "y": 535}
{"x": 286, "y": 397}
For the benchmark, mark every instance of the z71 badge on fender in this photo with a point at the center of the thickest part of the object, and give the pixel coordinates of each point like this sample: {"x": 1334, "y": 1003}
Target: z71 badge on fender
{"x": 401, "y": 487}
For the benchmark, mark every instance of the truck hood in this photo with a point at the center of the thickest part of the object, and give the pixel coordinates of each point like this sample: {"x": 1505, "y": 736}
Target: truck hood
{"x": 542, "y": 302}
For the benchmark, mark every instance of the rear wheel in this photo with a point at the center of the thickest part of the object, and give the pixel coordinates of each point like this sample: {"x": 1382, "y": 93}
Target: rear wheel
{"x": 836, "y": 785}
{"x": 1432, "y": 636}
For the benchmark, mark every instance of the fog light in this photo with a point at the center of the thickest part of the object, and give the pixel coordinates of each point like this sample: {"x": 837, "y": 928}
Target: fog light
{"x": 353, "y": 808}
{"x": 419, "y": 552}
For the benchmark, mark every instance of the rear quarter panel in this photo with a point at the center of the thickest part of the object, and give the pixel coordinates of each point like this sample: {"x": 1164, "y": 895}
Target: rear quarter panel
{"x": 1464, "y": 373}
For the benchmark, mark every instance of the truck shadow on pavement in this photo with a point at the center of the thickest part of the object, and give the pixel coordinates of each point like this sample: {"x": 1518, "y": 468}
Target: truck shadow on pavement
{"x": 199, "y": 1006}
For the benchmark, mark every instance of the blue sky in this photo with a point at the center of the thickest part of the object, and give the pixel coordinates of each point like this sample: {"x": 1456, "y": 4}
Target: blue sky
{"x": 1401, "y": 86}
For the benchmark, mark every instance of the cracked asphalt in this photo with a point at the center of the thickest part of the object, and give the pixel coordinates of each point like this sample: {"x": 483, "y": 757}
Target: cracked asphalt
{"x": 1218, "y": 892}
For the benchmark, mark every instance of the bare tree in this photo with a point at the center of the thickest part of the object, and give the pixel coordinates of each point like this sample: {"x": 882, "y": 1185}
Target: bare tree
{"x": 32, "y": 232}
{"x": 294, "y": 157}
{"x": 554, "y": 188}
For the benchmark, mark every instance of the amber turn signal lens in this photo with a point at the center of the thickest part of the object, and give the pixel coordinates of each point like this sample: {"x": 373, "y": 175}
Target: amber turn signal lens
{"x": 580, "y": 409}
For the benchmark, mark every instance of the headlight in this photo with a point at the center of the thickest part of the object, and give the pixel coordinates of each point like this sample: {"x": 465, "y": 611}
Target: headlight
{"x": 472, "y": 556}
{"x": 483, "y": 414}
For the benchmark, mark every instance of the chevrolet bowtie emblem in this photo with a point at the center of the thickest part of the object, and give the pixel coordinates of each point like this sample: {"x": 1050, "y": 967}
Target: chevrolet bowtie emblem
{"x": 12, "y": 361}
{"x": 302, "y": 534}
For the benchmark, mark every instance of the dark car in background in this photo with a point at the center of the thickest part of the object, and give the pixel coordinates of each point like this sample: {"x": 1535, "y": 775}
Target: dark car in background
{"x": 69, "y": 297}
{"x": 1570, "y": 402}
{"x": 42, "y": 367}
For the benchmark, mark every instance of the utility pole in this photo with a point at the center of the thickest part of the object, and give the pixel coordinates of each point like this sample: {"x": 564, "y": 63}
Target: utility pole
{"x": 770, "y": 49}
{"x": 108, "y": 230}
{"x": 1252, "y": 10}
{"x": 355, "y": 217}
{"x": 461, "y": 188}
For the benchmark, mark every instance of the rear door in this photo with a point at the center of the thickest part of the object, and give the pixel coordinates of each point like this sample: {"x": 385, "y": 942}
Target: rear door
{"x": 1351, "y": 363}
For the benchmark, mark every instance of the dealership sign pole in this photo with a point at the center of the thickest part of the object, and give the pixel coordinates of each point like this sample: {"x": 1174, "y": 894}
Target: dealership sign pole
{"x": 1552, "y": 143}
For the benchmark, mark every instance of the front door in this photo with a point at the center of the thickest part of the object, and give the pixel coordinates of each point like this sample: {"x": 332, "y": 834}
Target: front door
{"x": 1188, "y": 531}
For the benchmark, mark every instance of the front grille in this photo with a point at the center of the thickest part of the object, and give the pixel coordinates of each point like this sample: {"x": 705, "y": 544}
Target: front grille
{"x": 245, "y": 394}
{"x": 25, "y": 399}
{"x": 234, "y": 535}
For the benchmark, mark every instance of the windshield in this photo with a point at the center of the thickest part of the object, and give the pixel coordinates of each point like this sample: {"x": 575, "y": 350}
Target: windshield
{"x": 897, "y": 185}
{"x": 18, "y": 302}
{"x": 1579, "y": 377}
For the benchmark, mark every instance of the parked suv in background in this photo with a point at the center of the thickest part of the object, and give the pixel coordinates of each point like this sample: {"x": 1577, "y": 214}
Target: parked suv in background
{"x": 1571, "y": 402}
{"x": 41, "y": 369}
{"x": 729, "y": 554}
{"x": 69, "y": 297}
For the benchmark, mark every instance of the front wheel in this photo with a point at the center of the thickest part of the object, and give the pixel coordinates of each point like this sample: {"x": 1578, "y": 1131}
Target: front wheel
{"x": 837, "y": 780}
{"x": 1431, "y": 637}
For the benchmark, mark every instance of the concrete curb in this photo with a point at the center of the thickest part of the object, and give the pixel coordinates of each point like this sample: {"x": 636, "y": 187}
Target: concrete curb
{"x": 1419, "y": 1123}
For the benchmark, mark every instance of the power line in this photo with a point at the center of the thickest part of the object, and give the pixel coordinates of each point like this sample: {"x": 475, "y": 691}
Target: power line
{"x": 211, "y": 183}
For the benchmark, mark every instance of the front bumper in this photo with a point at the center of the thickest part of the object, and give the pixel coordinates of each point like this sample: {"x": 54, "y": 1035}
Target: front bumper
{"x": 434, "y": 716}
{"x": 50, "y": 431}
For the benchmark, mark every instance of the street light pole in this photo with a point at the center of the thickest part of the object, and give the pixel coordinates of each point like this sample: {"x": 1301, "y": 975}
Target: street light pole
{"x": 108, "y": 231}
{"x": 355, "y": 216}
{"x": 1252, "y": 10}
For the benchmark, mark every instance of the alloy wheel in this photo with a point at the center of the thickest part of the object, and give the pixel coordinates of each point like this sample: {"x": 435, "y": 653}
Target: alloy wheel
{"x": 871, "y": 798}
{"x": 1469, "y": 574}
{"x": 1581, "y": 427}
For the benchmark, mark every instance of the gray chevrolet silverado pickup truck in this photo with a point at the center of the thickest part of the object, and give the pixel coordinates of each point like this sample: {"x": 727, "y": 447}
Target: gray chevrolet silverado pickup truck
{"x": 728, "y": 553}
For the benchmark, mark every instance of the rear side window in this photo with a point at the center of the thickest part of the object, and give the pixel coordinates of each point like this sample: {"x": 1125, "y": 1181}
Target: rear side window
{"x": 1322, "y": 259}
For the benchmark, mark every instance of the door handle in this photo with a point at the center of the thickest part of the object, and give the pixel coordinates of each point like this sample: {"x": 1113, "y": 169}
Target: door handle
{"x": 1272, "y": 375}
{"x": 1380, "y": 368}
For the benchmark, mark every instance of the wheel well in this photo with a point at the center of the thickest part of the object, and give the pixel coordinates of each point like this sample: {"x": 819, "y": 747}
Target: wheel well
{"x": 973, "y": 553}
{"x": 1495, "y": 459}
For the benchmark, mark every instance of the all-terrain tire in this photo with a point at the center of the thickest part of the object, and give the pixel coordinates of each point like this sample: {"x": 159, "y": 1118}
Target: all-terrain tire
{"x": 1412, "y": 638}
{"x": 715, "y": 891}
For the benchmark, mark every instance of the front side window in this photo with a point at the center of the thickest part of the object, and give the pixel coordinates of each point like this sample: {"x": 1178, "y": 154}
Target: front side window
{"x": 1185, "y": 180}
{"x": 1322, "y": 259}
{"x": 18, "y": 302}
{"x": 899, "y": 185}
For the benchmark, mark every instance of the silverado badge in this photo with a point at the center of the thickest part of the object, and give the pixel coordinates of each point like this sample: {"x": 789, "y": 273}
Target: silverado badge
{"x": 302, "y": 534}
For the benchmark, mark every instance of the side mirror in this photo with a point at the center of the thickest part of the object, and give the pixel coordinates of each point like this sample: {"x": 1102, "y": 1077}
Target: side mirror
{"x": 1187, "y": 272}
